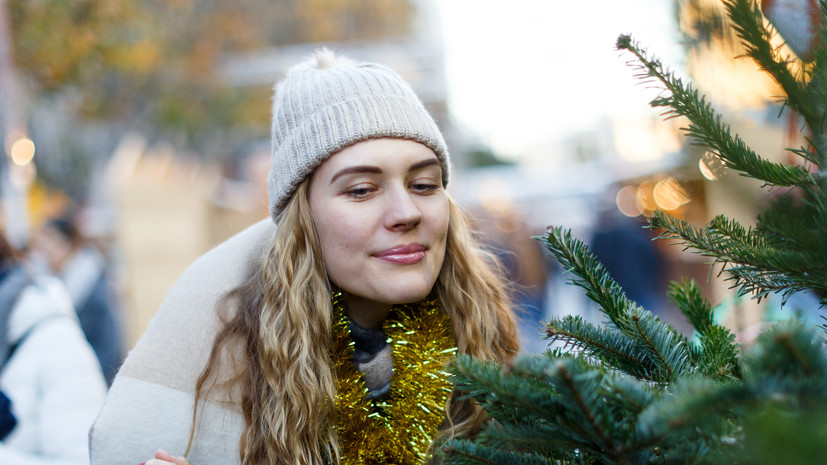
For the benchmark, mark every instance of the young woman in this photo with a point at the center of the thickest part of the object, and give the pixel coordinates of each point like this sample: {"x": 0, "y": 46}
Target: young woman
{"x": 322, "y": 336}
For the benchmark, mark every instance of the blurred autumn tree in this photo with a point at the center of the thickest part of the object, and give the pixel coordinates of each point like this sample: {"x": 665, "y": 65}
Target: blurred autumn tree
{"x": 148, "y": 65}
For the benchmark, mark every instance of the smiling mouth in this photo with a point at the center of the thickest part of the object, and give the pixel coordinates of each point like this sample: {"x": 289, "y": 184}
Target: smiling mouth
{"x": 403, "y": 255}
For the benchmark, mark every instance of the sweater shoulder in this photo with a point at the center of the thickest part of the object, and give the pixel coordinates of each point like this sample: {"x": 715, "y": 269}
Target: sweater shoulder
{"x": 175, "y": 347}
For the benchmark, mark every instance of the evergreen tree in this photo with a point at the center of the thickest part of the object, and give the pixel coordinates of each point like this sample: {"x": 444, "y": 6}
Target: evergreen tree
{"x": 637, "y": 391}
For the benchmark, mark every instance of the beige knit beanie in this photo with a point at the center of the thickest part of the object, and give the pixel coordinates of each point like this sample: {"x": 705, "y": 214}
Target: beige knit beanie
{"x": 327, "y": 103}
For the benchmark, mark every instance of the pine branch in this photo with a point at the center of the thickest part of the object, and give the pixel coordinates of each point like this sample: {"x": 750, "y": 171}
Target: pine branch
{"x": 789, "y": 350}
{"x": 583, "y": 388}
{"x": 718, "y": 357}
{"x": 818, "y": 205}
{"x": 687, "y": 297}
{"x": 633, "y": 394}
{"x": 610, "y": 347}
{"x": 506, "y": 398}
{"x": 707, "y": 128}
{"x": 817, "y": 94}
{"x": 718, "y": 354}
{"x": 664, "y": 347}
{"x": 464, "y": 452}
{"x": 691, "y": 403}
{"x": 761, "y": 283}
{"x": 752, "y": 248}
{"x": 787, "y": 368}
{"x": 594, "y": 408}
{"x": 687, "y": 235}
{"x": 538, "y": 436}
{"x": 661, "y": 343}
{"x": 608, "y": 405}
{"x": 817, "y": 85}
{"x": 752, "y": 262}
{"x": 568, "y": 398}
{"x": 789, "y": 226}
{"x": 592, "y": 276}
{"x": 748, "y": 23}
{"x": 808, "y": 155}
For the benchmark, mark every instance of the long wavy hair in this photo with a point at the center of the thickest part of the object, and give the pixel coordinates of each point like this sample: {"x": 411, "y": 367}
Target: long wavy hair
{"x": 279, "y": 322}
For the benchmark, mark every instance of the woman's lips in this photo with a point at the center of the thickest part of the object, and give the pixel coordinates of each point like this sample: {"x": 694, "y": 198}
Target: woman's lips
{"x": 403, "y": 255}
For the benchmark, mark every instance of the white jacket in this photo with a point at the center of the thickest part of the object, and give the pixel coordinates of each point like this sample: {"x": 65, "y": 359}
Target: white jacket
{"x": 53, "y": 380}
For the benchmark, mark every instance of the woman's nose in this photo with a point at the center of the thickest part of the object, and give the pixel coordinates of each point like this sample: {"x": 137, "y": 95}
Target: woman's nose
{"x": 402, "y": 211}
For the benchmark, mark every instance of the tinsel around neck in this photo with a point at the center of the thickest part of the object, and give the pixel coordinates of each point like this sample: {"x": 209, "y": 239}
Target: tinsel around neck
{"x": 398, "y": 428}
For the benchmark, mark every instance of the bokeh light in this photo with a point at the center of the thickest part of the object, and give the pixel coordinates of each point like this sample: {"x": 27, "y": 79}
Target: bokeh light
{"x": 22, "y": 151}
{"x": 644, "y": 197}
{"x": 711, "y": 166}
{"x": 669, "y": 195}
{"x": 627, "y": 201}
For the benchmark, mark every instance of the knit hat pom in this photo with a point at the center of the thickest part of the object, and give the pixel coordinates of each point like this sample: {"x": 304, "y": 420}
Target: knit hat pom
{"x": 326, "y": 58}
{"x": 323, "y": 59}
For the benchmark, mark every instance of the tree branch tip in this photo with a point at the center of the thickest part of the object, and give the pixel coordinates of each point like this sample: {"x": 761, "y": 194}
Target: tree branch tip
{"x": 624, "y": 42}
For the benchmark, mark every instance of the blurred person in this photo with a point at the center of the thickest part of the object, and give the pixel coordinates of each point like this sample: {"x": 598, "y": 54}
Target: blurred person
{"x": 625, "y": 249}
{"x": 320, "y": 335}
{"x": 51, "y": 386}
{"x": 83, "y": 269}
{"x": 524, "y": 260}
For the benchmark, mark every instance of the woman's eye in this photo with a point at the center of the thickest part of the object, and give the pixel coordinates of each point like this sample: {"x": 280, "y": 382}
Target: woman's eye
{"x": 424, "y": 187}
{"x": 359, "y": 192}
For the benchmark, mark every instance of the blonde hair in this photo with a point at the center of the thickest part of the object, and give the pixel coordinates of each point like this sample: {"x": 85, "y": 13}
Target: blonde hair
{"x": 282, "y": 323}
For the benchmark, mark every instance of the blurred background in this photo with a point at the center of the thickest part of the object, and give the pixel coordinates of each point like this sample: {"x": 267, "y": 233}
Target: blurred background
{"x": 145, "y": 126}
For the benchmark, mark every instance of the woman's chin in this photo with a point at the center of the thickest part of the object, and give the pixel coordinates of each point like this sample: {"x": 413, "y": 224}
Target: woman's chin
{"x": 410, "y": 294}
{"x": 396, "y": 295}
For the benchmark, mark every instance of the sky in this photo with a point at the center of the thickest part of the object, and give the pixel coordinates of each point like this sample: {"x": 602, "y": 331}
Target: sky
{"x": 525, "y": 72}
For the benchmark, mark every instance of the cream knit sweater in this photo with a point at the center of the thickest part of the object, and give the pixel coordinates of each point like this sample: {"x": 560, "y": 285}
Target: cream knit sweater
{"x": 149, "y": 406}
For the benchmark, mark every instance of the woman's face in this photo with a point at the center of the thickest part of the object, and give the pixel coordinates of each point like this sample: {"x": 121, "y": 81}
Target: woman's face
{"x": 381, "y": 214}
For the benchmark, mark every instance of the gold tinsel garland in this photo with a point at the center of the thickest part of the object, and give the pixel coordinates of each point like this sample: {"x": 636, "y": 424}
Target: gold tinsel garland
{"x": 399, "y": 428}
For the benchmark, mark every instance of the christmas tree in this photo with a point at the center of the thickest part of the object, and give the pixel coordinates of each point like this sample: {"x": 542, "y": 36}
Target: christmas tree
{"x": 637, "y": 391}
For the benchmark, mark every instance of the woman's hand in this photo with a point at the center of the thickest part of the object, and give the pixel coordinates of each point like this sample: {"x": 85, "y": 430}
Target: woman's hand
{"x": 163, "y": 457}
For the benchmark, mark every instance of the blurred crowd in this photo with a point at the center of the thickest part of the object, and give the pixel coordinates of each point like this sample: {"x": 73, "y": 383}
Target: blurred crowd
{"x": 62, "y": 343}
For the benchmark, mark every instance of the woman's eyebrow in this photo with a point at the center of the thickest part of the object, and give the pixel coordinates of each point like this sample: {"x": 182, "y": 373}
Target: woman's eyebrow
{"x": 356, "y": 170}
{"x": 423, "y": 164}
{"x": 375, "y": 169}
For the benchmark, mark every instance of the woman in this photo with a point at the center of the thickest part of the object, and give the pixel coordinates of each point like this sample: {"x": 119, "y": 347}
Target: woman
{"x": 335, "y": 318}
{"x": 51, "y": 386}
